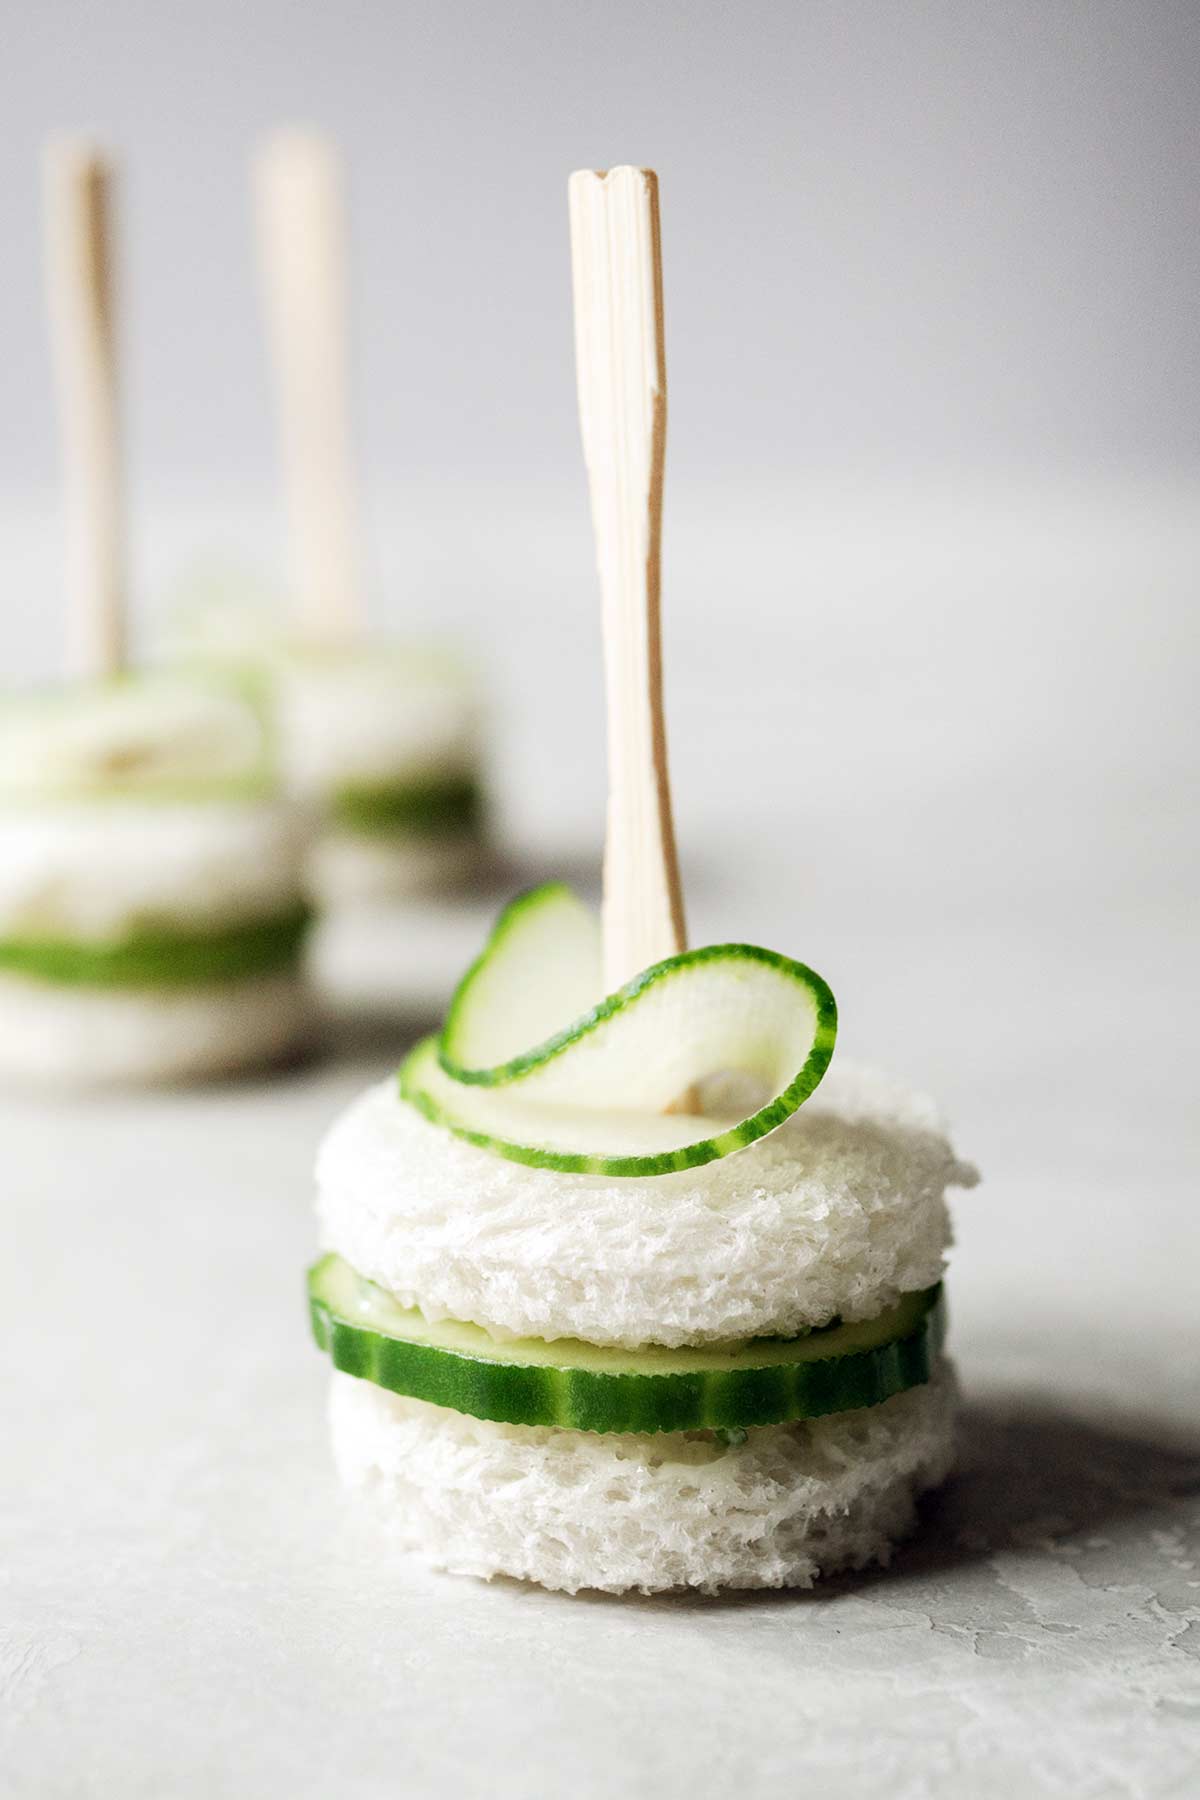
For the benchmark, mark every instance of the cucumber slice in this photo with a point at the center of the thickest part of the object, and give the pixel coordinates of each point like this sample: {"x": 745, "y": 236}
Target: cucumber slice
{"x": 540, "y": 966}
{"x": 593, "y": 1097}
{"x": 154, "y": 738}
{"x": 583, "y": 1387}
{"x": 157, "y": 958}
{"x": 437, "y": 806}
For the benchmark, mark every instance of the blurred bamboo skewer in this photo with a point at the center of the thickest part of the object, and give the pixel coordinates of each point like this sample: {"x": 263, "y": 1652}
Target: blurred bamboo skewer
{"x": 78, "y": 188}
{"x": 301, "y": 229}
{"x": 617, "y": 277}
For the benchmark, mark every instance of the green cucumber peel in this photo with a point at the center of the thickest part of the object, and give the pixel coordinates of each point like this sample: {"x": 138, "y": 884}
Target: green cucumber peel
{"x": 162, "y": 956}
{"x": 587, "y": 1387}
{"x": 593, "y": 1096}
{"x": 427, "y": 806}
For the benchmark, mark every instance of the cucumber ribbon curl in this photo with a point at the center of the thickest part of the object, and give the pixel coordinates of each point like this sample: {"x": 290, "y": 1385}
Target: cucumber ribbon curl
{"x": 592, "y": 1096}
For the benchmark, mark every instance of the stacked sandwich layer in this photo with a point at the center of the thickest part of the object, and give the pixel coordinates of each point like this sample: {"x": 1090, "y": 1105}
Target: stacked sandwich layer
{"x": 724, "y": 1374}
{"x": 382, "y": 748}
{"x": 151, "y": 921}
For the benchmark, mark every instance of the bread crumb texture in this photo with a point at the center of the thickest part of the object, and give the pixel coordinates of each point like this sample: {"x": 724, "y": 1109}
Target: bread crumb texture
{"x": 836, "y": 1214}
{"x": 574, "y": 1509}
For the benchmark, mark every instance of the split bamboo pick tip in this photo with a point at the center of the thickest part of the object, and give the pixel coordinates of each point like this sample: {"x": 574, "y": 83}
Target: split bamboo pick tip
{"x": 78, "y": 204}
{"x": 616, "y": 263}
{"x": 300, "y": 217}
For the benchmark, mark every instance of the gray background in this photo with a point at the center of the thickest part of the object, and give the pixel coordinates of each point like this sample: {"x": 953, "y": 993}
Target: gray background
{"x": 892, "y": 231}
{"x": 932, "y": 542}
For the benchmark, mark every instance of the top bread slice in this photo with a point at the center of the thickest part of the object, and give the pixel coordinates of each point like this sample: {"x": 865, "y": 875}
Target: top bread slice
{"x": 836, "y": 1214}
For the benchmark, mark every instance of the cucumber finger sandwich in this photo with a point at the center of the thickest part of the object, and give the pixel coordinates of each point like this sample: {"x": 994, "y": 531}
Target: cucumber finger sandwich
{"x": 623, "y": 1285}
{"x": 151, "y": 919}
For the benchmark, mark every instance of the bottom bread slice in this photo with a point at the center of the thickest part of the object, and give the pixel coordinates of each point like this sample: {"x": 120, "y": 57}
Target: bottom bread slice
{"x": 347, "y": 868}
{"x": 575, "y": 1509}
{"x": 92, "y": 1036}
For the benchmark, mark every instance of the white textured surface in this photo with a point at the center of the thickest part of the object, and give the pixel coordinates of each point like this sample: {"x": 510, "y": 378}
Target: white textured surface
{"x": 345, "y": 869}
{"x": 840, "y": 1211}
{"x": 976, "y": 718}
{"x": 577, "y": 1510}
{"x": 371, "y": 718}
{"x": 106, "y": 735}
{"x": 96, "y": 871}
{"x": 92, "y": 1037}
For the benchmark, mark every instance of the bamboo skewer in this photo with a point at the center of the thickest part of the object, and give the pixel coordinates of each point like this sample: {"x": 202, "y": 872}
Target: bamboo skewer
{"x": 617, "y": 277}
{"x": 78, "y": 206}
{"x": 302, "y": 242}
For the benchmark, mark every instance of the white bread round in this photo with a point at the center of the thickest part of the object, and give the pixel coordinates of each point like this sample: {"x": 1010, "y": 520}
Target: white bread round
{"x": 839, "y": 1212}
{"x": 373, "y": 716}
{"x": 348, "y": 868}
{"x": 573, "y": 1509}
{"x": 96, "y": 869}
{"x": 104, "y": 737}
{"x": 87, "y": 1037}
